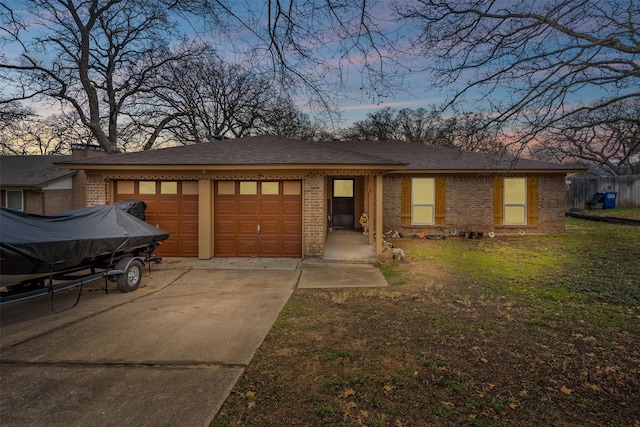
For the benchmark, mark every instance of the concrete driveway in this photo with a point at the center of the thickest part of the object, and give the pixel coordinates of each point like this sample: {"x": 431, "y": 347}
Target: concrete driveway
{"x": 167, "y": 354}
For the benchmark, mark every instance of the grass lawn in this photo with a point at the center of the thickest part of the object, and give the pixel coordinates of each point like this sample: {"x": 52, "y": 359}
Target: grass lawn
{"x": 532, "y": 330}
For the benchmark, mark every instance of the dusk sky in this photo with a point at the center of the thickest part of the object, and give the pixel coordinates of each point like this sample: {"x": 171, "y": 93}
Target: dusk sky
{"x": 405, "y": 86}
{"x": 359, "y": 96}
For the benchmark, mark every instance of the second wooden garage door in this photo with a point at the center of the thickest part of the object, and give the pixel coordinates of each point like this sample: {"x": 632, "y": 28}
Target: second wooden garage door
{"x": 258, "y": 218}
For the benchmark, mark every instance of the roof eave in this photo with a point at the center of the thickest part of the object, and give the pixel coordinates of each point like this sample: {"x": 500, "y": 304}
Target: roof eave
{"x": 487, "y": 171}
{"x": 228, "y": 167}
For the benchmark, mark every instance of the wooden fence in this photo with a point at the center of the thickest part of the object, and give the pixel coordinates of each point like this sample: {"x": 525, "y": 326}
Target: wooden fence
{"x": 580, "y": 189}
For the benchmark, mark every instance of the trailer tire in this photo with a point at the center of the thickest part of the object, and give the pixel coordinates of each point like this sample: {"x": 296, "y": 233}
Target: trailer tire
{"x": 130, "y": 279}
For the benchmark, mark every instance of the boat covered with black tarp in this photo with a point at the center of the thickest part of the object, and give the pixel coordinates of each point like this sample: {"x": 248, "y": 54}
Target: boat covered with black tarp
{"x": 35, "y": 246}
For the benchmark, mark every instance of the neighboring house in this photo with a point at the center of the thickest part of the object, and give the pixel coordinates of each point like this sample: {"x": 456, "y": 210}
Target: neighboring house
{"x": 275, "y": 197}
{"x": 34, "y": 184}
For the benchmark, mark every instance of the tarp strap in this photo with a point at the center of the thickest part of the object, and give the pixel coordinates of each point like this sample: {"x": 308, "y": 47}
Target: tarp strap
{"x": 51, "y": 291}
{"x": 109, "y": 268}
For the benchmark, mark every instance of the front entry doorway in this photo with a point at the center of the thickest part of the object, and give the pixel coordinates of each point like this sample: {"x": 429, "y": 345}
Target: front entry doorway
{"x": 343, "y": 203}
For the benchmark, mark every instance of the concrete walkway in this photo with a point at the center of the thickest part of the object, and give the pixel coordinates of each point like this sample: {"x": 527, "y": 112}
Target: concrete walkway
{"x": 167, "y": 354}
{"x": 314, "y": 273}
{"x": 348, "y": 246}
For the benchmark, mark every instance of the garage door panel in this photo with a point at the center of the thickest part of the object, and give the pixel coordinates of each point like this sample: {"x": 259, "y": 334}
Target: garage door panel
{"x": 292, "y": 207}
{"x": 226, "y": 207}
{"x": 225, "y": 246}
{"x": 291, "y": 248}
{"x": 293, "y": 227}
{"x": 225, "y": 227}
{"x": 270, "y": 247}
{"x": 189, "y": 227}
{"x": 248, "y": 207}
{"x": 247, "y": 247}
{"x": 247, "y": 227}
{"x": 189, "y": 247}
{"x": 189, "y": 207}
{"x": 167, "y": 207}
{"x": 270, "y": 207}
{"x": 270, "y": 227}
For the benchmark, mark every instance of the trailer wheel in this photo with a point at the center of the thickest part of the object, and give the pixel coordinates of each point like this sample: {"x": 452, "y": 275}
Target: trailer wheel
{"x": 131, "y": 278}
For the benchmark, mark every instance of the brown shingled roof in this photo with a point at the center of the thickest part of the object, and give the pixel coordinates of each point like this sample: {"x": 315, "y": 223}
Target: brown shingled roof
{"x": 431, "y": 158}
{"x": 273, "y": 150}
{"x": 259, "y": 150}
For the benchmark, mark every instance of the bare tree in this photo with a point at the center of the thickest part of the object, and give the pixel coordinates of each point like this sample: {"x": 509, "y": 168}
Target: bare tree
{"x": 466, "y": 132}
{"x": 382, "y": 125}
{"x": 608, "y": 145}
{"x": 284, "y": 118}
{"x": 312, "y": 45}
{"x": 93, "y": 56}
{"x": 34, "y": 134}
{"x": 417, "y": 125}
{"x": 100, "y": 57}
{"x": 12, "y": 113}
{"x": 537, "y": 65}
{"x": 213, "y": 97}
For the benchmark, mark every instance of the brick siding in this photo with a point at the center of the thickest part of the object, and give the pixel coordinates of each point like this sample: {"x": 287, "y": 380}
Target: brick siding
{"x": 551, "y": 203}
{"x": 314, "y": 221}
{"x": 469, "y": 206}
{"x": 32, "y": 202}
{"x": 57, "y": 201}
{"x": 469, "y": 203}
{"x": 96, "y": 190}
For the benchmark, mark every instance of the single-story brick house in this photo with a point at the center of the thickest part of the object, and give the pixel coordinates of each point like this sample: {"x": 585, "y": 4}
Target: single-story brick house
{"x": 268, "y": 196}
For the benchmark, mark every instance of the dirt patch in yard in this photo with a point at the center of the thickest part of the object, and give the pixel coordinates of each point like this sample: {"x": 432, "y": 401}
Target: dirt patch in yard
{"x": 442, "y": 347}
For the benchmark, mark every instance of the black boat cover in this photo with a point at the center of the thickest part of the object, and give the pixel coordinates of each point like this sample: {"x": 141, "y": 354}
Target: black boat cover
{"x": 134, "y": 207}
{"x": 29, "y": 242}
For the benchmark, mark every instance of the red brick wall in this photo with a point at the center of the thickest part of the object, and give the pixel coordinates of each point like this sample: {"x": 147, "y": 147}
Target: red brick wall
{"x": 469, "y": 206}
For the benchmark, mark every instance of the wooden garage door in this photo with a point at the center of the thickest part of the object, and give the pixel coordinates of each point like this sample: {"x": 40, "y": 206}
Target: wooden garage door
{"x": 258, "y": 218}
{"x": 172, "y": 206}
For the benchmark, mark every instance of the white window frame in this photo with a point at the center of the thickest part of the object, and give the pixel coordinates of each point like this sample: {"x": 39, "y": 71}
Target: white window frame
{"x": 429, "y": 203}
{"x": 512, "y": 204}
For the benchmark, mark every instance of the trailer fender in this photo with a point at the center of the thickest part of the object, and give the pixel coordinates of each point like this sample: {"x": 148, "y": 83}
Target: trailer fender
{"x": 131, "y": 269}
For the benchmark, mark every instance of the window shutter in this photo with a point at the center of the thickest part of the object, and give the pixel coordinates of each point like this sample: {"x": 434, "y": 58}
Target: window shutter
{"x": 406, "y": 201}
{"x": 440, "y": 211}
{"x": 532, "y": 200}
{"x": 498, "y": 200}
